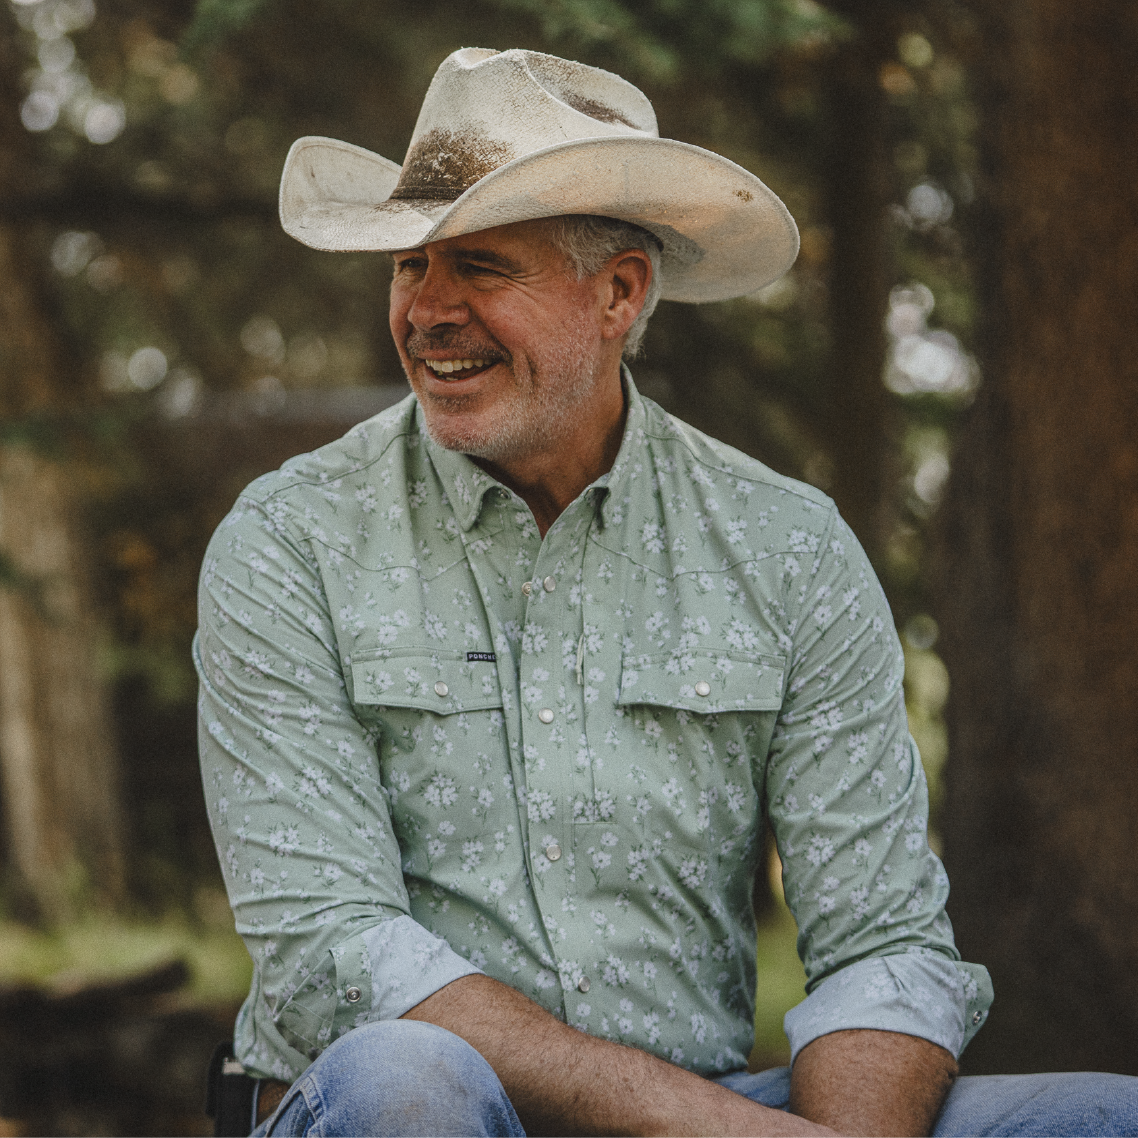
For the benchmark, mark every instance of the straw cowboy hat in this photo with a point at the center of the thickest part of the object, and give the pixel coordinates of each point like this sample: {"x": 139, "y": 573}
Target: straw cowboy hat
{"x": 515, "y": 135}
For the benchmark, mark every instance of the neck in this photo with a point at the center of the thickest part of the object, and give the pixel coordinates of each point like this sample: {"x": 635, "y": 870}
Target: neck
{"x": 549, "y": 480}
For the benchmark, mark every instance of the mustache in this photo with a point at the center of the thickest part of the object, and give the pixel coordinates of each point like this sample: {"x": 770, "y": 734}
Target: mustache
{"x": 452, "y": 341}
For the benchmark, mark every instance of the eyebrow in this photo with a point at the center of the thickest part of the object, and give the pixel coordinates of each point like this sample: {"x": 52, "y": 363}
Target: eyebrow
{"x": 472, "y": 253}
{"x": 486, "y": 256}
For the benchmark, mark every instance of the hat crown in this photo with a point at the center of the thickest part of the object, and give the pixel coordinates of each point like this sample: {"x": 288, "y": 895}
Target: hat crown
{"x": 486, "y": 108}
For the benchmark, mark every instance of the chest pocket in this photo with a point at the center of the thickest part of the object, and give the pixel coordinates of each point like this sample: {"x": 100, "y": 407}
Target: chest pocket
{"x": 422, "y": 679}
{"x": 694, "y": 724}
{"x": 703, "y": 681}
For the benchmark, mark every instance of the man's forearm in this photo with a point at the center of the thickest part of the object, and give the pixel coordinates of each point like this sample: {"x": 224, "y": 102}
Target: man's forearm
{"x": 562, "y": 1081}
{"x": 872, "y": 1082}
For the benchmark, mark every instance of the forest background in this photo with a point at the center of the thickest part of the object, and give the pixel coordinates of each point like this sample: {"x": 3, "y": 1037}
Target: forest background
{"x": 952, "y": 358}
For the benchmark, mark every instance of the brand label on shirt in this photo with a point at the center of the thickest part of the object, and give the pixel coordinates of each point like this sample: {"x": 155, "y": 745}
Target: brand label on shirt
{"x": 489, "y": 657}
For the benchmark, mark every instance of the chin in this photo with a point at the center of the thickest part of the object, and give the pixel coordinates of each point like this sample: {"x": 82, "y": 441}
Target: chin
{"x": 454, "y": 432}
{"x": 498, "y": 442}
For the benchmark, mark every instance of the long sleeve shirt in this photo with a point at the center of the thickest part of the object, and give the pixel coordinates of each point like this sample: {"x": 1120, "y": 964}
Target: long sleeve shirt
{"x": 434, "y": 743}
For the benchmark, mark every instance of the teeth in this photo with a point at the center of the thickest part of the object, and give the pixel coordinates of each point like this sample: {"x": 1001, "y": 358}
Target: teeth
{"x": 446, "y": 366}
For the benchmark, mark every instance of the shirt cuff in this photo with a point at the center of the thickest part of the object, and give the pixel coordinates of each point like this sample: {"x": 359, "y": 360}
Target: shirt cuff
{"x": 377, "y": 974}
{"x": 407, "y": 964}
{"x": 917, "y": 993}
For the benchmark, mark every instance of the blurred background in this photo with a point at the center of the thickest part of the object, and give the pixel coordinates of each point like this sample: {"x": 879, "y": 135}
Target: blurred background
{"x": 953, "y": 359}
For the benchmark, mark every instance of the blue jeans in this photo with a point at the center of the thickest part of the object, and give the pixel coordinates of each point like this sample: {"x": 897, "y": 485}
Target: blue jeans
{"x": 1059, "y": 1104}
{"x": 403, "y": 1077}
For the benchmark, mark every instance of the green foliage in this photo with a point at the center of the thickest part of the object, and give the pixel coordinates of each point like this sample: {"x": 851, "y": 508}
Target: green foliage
{"x": 100, "y": 950}
{"x": 669, "y": 40}
{"x": 658, "y": 40}
{"x": 214, "y": 20}
{"x": 782, "y": 981}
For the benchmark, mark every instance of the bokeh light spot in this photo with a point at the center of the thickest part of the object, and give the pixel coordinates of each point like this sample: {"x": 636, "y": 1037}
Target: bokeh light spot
{"x": 146, "y": 368}
{"x": 56, "y": 55}
{"x": 39, "y": 111}
{"x": 261, "y": 337}
{"x": 915, "y": 50}
{"x": 104, "y": 122}
{"x": 71, "y": 252}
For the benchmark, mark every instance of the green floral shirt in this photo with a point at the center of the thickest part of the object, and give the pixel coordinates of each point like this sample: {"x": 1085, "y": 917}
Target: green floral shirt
{"x": 433, "y": 744}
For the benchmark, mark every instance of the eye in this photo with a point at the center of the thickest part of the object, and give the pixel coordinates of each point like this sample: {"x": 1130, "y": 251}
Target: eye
{"x": 410, "y": 264}
{"x": 477, "y": 269}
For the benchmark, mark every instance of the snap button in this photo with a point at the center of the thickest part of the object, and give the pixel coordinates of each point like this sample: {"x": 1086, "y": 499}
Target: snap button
{"x": 353, "y": 995}
{"x": 977, "y": 1017}
{"x": 703, "y": 688}
{"x": 553, "y": 852}
{"x": 545, "y": 715}
{"x": 583, "y": 984}
{"x": 441, "y": 689}
{"x": 549, "y": 584}
{"x": 527, "y": 587}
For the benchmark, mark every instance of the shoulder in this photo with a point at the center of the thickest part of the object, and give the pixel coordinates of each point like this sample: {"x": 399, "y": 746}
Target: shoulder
{"x": 350, "y": 460}
{"x": 725, "y": 478}
{"x": 326, "y": 493}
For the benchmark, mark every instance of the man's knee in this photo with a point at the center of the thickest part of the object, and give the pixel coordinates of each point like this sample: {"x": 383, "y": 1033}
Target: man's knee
{"x": 1062, "y": 1103}
{"x": 407, "y": 1077}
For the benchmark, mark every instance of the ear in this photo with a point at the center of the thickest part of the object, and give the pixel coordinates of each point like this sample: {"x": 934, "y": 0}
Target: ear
{"x": 626, "y": 279}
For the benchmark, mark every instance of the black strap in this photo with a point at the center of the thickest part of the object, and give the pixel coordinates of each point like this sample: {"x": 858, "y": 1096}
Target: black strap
{"x": 229, "y": 1094}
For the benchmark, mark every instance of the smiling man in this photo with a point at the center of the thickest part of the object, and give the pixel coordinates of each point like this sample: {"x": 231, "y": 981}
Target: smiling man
{"x": 497, "y": 690}
{"x": 541, "y": 401}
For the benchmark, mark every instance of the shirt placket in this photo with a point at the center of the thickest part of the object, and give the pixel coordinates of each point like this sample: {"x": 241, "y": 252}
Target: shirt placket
{"x": 557, "y": 768}
{"x": 546, "y": 730}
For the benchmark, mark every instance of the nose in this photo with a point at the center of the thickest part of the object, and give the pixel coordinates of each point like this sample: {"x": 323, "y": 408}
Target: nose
{"x": 438, "y": 299}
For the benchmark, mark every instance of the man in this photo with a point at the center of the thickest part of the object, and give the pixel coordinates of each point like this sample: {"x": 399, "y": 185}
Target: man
{"x": 496, "y": 689}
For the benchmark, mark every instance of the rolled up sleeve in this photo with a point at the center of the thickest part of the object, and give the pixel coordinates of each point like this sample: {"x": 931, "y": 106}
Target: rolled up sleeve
{"x": 299, "y": 817}
{"x": 849, "y": 808}
{"x": 917, "y": 993}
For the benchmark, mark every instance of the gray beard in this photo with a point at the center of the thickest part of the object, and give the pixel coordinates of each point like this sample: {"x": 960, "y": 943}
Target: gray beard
{"x": 531, "y": 419}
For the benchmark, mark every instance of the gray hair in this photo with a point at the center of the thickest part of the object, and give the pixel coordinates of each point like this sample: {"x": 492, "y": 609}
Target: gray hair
{"x": 588, "y": 242}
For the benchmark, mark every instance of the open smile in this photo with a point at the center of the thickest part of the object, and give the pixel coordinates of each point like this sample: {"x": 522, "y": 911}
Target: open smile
{"x": 451, "y": 370}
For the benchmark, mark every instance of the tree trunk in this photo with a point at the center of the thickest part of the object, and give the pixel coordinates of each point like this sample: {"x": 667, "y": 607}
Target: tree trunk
{"x": 1039, "y": 548}
{"x": 58, "y": 760}
{"x": 857, "y": 195}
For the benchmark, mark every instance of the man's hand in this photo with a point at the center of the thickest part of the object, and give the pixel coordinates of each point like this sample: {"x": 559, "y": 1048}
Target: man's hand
{"x": 562, "y": 1081}
{"x": 872, "y": 1082}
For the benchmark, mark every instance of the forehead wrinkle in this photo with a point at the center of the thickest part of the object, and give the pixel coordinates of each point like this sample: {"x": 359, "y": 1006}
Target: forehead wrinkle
{"x": 486, "y": 256}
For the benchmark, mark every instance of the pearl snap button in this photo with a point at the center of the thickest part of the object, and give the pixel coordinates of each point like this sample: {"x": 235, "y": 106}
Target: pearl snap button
{"x": 583, "y": 984}
{"x": 549, "y": 584}
{"x": 441, "y": 689}
{"x": 527, "y": 588}
{"x": 353, "y": 995}
{"x": 553, "y": 852}
{"x": 545, "y": 715}
{"x": 703, "y": 688}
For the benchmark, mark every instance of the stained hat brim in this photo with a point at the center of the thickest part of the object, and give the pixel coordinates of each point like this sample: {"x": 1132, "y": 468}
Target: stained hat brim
{"x": 724, "y": 233}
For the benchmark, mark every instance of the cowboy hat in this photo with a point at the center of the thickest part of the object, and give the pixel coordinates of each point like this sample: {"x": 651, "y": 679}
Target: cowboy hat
{"x": 515, "y": 135}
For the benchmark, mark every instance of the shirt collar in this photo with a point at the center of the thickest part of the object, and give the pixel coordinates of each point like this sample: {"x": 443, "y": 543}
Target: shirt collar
{"x": 608, "y": 491}
{"x": 467, "y": 484}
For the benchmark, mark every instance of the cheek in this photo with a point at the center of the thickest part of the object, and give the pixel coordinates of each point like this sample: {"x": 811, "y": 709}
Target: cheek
{"x": 398, "y": 308}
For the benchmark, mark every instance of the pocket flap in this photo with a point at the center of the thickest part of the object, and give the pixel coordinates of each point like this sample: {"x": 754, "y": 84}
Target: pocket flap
{"x": 443, "y": 682}
{"x": 704, "y": 681}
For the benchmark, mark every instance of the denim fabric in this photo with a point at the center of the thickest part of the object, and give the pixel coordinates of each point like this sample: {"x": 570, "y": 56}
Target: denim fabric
{"x": 403, "y": 1077}
{"x": 1057, "y": 1104}
{"x": 398, "y": 1077}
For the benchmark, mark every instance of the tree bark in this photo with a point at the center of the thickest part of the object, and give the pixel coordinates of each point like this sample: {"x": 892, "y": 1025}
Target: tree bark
{"x": 58, "y": 759}
{"x": 1039, "y": 545}
{"x": 857, "y": 194}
